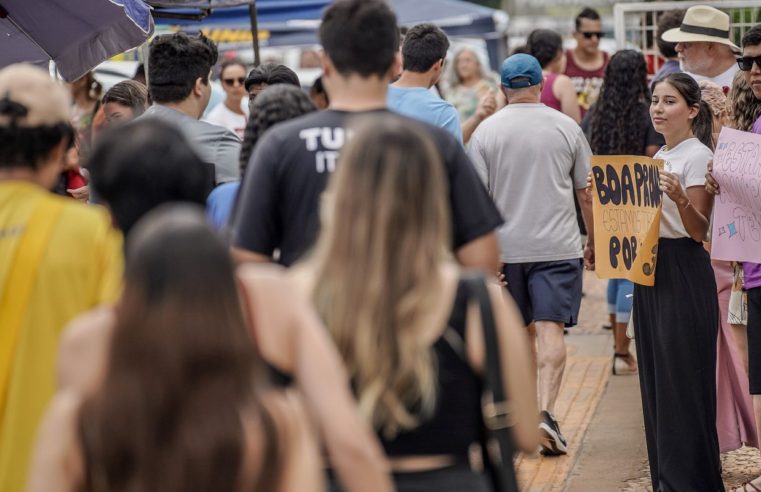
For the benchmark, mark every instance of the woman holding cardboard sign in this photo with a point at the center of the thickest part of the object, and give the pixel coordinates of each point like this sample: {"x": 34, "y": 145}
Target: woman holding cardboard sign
{"x": 676, "y": 320}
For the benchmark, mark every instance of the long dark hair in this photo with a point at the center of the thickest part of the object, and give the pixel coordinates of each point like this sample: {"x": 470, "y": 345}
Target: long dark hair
{"x": 273, "y": 105}
{"x": 615, "y": 122}
{"x": 182, "y": 368}
{"x": 702, "y": 124}
{"x": 544, "y": 45}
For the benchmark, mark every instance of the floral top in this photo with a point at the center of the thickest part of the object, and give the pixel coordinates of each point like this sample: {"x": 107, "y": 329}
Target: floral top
{"x": 465, "y": 99}
{"x": 82, "y": 120}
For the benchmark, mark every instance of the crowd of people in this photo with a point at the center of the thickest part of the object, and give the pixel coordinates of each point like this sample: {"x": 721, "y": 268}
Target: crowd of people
{"x": 297, "y": 293}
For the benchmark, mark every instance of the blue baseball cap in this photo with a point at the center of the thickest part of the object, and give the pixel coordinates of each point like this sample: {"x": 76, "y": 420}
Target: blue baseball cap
{"x": 523, "y": 66}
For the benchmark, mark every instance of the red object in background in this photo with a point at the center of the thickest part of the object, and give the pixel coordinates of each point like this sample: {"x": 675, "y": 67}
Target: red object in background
{"x": 74, "y": 180}
{"x": 651, "y": 57}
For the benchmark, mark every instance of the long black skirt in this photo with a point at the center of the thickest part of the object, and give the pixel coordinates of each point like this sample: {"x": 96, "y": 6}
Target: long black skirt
{"x": 676, "y": 326}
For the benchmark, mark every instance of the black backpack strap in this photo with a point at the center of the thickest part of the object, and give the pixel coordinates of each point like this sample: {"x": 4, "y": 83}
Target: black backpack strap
{"x": 497, "y": 414}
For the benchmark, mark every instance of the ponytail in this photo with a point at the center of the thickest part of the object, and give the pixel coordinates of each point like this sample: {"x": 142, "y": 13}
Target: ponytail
{"x": 702, "y": 126}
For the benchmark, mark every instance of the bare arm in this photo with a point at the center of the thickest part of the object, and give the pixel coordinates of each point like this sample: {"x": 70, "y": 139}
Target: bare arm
{"x": 57, "y": 464}
{"x": 696, "y": 217}
{"x": 83, "y": 351}
{"x": 481, "y": 253}
{"x": 516, "y": 365}
{"x": 486, "y": 107}
{"x": 694, "y": 205}
{"x": 468, "y": 127}
{"x": 569, "y": 103}
{"x": 241, "y": 255}
{"x": 585, "y": 202}
{"x": 291, "y": 337}
{"x": 354, "y": 450}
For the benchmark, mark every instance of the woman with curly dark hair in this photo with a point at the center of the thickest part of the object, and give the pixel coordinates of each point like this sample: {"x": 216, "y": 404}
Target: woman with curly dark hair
{"x": 619, "y": 124}
{"x": 274, "y": 105}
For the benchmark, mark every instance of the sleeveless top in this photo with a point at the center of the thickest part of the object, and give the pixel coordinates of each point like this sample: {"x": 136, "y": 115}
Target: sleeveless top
{"x": 548, "y": 97}
{"x": 456, "y": 422}
{"x": 587, "y": 83}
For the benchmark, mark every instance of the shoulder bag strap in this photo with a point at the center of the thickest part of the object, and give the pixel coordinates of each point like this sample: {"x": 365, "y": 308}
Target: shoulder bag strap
{"x": 497, "y": 417}
{"x": 21, "y": 279}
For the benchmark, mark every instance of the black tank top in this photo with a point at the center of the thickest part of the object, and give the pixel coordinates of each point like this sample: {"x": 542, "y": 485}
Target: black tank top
{"x": 456, "y": 422}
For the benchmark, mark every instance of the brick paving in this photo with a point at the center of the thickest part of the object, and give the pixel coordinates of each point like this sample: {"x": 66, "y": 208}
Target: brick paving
{"x": 742, "y": 465}
{"x": 544, "y": 474}
{"x": 583, "y": 385}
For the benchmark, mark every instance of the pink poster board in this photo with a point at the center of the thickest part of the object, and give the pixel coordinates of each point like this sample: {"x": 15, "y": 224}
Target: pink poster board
{"x": 736, "y": 233}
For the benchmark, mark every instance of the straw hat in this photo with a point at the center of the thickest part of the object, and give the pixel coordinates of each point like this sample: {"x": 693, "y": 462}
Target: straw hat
{"x": 702, "y": 24}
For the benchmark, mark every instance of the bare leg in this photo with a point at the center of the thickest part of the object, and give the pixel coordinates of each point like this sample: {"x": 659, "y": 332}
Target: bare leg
{"x": 531, "y": 329}
{"x": 551, "y": 361}
{"x": 622, "y": 345}
{"x": 741, "y": 341}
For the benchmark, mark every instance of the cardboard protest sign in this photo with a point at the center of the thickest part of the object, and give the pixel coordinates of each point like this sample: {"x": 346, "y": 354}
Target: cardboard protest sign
{"x": 627, "y": 201}
{"x": 736, "y": 233}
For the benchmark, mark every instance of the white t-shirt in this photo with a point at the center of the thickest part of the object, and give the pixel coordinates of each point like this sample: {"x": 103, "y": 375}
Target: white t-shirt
{"x": 532, "y": 159}
{"x": 222, "y": 115}
{"x": 723, "y": 80}
{"x": 688, "y": 161}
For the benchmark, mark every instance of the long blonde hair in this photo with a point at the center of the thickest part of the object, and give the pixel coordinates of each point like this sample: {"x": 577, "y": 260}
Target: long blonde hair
{"x": 742, "y": 105}
{"x": 377, "y": 267}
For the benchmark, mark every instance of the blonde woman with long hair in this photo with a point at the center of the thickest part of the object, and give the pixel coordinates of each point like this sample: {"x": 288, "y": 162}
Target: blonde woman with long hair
{"x": 385, "y": 283}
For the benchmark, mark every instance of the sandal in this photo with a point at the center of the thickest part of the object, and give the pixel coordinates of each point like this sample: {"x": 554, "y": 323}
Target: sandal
{"x": 623, "y": 368}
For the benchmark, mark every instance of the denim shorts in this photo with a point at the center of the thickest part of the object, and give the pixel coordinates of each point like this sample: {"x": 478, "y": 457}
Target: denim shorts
{"x": 546, "y": 290}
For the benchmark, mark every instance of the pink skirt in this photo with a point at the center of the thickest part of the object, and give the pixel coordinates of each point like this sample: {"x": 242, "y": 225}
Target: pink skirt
{"x": 735, "y": 421}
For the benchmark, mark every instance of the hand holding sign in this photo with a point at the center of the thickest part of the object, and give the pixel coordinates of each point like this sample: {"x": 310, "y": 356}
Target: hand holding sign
{"x": 671, "y": 186}
{"x": 627, "y": 197}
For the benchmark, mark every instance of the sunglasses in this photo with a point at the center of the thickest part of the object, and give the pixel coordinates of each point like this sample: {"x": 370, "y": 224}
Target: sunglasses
{"x": 746, "y": 62}
{"x": 589, "y": 35}
{"x": 240, "y": 80}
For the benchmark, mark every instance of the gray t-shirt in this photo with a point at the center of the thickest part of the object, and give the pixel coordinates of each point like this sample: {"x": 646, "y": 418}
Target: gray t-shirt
{"x": 531, "y": 159}
{"x": 214, "y": 144}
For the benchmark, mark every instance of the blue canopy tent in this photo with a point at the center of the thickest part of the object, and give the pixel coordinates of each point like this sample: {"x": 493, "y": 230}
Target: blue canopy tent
{"x": 295, "y": 22}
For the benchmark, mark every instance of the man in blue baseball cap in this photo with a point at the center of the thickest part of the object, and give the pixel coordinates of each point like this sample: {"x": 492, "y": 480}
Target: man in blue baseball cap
{"x": 531, "y": 159}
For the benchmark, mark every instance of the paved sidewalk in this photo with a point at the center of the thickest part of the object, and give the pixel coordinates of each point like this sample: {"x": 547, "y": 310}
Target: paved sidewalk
{"x": 586, "y": 377}
{"x": 601, "y": 416}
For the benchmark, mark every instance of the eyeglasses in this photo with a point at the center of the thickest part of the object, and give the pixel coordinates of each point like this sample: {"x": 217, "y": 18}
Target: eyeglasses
{"x": 589, "y": 35}
{"x": 746, "y": 62}
{"x": 240, "y": 80}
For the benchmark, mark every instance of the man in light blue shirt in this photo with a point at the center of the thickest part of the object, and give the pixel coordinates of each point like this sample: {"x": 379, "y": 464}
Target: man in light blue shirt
{"x": 424, "y": 51}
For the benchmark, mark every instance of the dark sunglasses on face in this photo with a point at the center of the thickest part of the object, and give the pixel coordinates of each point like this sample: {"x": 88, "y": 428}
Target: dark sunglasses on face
{"x": 746, "y": 62}
{"x": 232, "y": 81}
{"x": 589, "y": 35}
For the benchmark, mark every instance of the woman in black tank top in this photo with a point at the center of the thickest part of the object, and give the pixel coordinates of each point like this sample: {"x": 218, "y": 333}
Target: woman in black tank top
{"x": 390, "y": 295}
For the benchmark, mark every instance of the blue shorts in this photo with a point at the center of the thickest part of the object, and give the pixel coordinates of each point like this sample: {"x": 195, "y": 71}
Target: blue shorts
{"x": 546, "y": 290}
{"x": 618, "y": 303}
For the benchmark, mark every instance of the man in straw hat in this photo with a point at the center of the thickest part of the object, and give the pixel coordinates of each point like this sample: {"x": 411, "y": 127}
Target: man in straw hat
{"x": 58, "y": 257}
{"x": 705, "y": 51}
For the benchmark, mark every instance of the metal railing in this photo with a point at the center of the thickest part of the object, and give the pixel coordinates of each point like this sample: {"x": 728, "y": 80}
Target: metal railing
{"x": 635, "y": 23}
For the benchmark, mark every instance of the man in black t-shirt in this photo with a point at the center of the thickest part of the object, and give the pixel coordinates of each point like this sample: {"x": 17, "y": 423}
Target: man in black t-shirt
{"x": 278, "y": 206}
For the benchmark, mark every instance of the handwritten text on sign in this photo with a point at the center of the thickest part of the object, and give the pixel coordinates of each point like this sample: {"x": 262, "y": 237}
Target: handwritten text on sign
{"x": 627, "y": 202}
{"x": 736, "y": 234}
